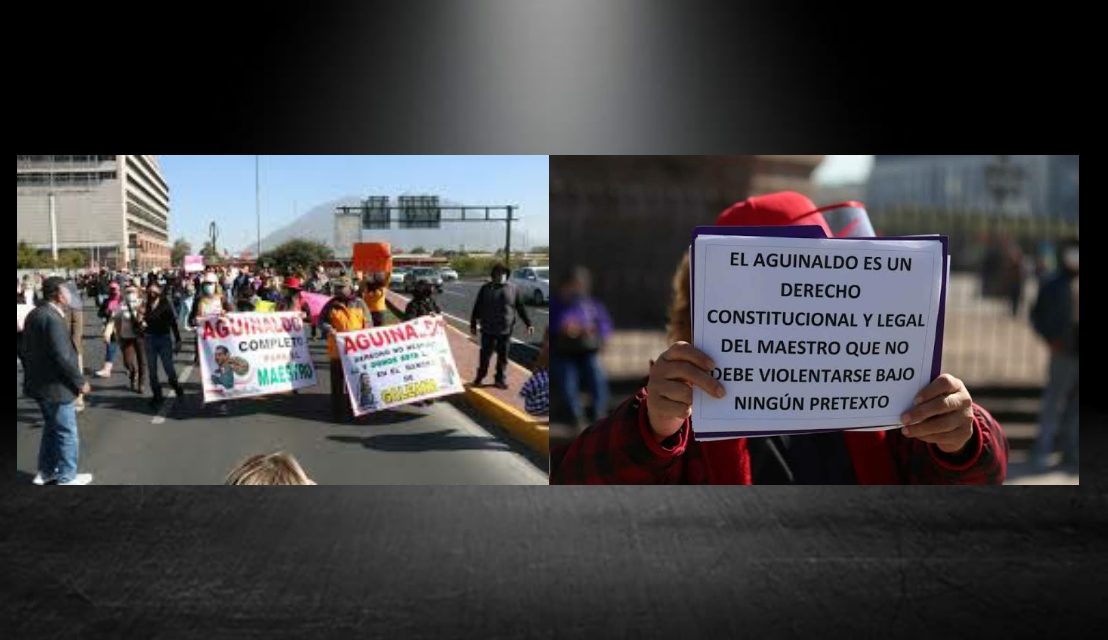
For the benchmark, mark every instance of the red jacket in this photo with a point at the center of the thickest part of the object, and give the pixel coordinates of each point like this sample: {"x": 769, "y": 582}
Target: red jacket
{"x": 621, "y": 449}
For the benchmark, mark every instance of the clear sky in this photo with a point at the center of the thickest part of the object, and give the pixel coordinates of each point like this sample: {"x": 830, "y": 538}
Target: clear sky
{"x": 221, "y": 188}
{"x": 843, "y": 169}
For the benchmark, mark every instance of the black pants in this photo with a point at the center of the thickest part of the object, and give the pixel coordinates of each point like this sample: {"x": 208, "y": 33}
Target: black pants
{"x": 340, "y": 404}
{"x": 500, "y": 344}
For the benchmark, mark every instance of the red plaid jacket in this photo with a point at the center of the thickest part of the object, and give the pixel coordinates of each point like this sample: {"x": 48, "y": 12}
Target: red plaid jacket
{"x": 621, "y": 449}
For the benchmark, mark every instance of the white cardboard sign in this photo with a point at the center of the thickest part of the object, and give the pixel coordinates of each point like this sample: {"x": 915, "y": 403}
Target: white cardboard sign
{"x": 813, "y": 334}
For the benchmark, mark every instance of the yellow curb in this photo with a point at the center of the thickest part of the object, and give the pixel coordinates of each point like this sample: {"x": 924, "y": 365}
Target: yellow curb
{"x": 521, "y": 426}
{"x": 525, "y": 428}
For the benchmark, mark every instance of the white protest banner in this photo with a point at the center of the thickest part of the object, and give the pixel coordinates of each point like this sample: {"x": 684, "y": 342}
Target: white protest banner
{"x": 813, "y": 334}
{"x": 398, "y": 364}
{"x": 253, "y": 354}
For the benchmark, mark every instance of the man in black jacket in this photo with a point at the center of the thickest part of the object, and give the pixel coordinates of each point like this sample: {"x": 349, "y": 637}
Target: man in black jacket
{"x": 495, "y": 309}
{"x": 54, "y": 379}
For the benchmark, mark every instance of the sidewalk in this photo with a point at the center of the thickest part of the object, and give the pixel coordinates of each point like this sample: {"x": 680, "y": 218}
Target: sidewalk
{"x": 502, "y": 406}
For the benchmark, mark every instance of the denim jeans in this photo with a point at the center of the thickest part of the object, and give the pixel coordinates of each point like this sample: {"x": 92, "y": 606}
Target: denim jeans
{"x": 109, "y": 352}
{"x": 572, "y": 374}
{"x": 184, "y": 310}
{"x": 57, "y": 453}
{"x": 1060, "y": 408}
{"x": 160, "y": 347}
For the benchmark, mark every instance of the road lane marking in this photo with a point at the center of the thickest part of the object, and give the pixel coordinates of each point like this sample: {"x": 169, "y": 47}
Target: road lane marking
{"x": 166, "y": 406}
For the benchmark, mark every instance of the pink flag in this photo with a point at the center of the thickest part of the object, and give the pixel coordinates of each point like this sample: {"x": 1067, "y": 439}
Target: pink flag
{"x": 316, "y": 302}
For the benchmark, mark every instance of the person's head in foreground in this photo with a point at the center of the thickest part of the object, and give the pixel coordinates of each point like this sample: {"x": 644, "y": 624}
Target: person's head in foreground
{"x": 499, "y": 273}
{"x": 946, "y": 438}
{"x": 278, "y": 468}
{"x": 55, "y": 291}
{"x": 577, "y": 285}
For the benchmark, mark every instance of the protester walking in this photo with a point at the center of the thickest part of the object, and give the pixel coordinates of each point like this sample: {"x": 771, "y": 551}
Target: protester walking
{"x": 53, "y": 378}
{"x": 106, "y": 313}
{"x": 345, "y": 312}
{"x": 159, "y": 324}
{"x": 1054, "y": 317}
{"x": 127, "y": 320}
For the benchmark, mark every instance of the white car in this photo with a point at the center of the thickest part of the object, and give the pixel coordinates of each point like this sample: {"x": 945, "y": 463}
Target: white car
{"x": 396, "y": 280}
{"x": 422, "y": 274}
{"x": 448, "y": 274}
{"x": 533, "y": 283}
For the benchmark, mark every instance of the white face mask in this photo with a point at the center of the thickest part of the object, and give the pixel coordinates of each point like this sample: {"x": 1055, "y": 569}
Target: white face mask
{"x": 1069, "y": 257}
{"x": 499, "y": 279}
{"x": 132, "y": 298}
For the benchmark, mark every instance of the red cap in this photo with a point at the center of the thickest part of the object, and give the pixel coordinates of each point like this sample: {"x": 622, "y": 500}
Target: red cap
{"x": 293, "y": 283}
{"x": 781, "y": 209}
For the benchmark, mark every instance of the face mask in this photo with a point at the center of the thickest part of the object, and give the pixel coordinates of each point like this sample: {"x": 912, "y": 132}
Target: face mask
{"x": 499, "y": 278}
{"x": 1069, "y": 257}
{"x": 209, "y": 289}
{"x": 132, "y": 298}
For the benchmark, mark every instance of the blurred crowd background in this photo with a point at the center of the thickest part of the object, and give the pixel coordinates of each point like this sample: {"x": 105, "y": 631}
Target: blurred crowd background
{"x": 624, "y": 222}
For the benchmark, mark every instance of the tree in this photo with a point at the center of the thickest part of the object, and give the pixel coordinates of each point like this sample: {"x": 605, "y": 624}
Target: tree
{"x": 540, "y": 249}
{"x": 72, "y": 259}
{"x": 420, "y": 250}
{"x": 28, "y": 257}
{"x": 297, "y": 256}
{"x": 181, "y": 248}
{"x": 210, "y": 254}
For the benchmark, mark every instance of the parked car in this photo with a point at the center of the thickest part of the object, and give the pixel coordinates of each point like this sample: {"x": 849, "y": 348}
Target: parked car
{"x": 396, "y": 280}
{"x": 533, "y": 283}
{"x": 423, "y": 274}
{"x": 448, "y": 274}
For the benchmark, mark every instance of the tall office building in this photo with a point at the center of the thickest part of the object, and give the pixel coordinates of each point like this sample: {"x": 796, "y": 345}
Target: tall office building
{"x": 113, "y": 208}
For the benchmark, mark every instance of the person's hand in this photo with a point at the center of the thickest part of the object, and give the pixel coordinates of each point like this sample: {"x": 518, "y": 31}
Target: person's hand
{"x": 530, "y": 331}
{"x": 670, "y": 387}
{"x": 942, "y": 415}
{"x": 86, "y": 388}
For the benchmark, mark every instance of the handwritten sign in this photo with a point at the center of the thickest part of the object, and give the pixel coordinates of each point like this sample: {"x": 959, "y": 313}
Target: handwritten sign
{"x": 397, "y": 364}
{"x": 813, "y": 334}
{"x": 253, "y": 354}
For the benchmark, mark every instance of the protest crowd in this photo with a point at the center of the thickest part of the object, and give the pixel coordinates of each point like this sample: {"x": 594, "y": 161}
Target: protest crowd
{"x": 145, "y": 318}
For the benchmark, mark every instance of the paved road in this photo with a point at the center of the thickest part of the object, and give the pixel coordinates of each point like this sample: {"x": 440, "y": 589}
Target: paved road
{"x": 123, "y": 441}
{"x": 457, "y": 300}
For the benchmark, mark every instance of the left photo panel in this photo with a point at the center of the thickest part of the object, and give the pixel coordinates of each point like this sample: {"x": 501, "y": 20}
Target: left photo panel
{"x": 284, "y": 320}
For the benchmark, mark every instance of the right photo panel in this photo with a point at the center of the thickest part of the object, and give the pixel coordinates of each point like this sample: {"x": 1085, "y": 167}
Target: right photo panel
{"x": 814, "y": 319}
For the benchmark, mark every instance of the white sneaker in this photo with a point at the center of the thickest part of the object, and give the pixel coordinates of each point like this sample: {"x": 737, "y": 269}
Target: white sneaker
{"x": 79, "y": 479}
{"x": 41, "y": 479}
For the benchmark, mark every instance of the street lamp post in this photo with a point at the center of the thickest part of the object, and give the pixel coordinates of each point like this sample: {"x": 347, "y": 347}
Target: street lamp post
{"x": 258, "y": 202}
{"x": 1003, "y": 180}
{"x": 213, "y": 234}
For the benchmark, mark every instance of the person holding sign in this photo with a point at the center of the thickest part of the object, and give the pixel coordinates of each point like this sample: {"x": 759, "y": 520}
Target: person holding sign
{"x": 345, "y": 312}
{"x": 946, "y": 437}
